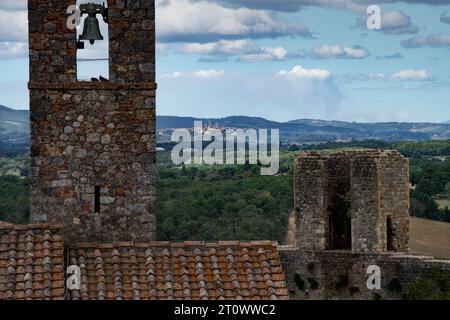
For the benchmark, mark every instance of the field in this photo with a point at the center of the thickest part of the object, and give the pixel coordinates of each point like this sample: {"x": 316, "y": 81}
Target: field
{"x": 430, "y": 238}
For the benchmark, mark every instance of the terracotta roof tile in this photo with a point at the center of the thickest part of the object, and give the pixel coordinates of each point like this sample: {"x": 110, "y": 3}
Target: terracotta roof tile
{"x": 190, "y": 270}
{"x": 32, "y": 259}
{"x": 31, "y": 262}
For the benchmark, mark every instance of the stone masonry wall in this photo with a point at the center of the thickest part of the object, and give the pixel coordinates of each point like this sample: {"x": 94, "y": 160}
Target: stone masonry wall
{"x": 88, "y": 136}
{"x": 365, "y": 190}
{"x": 395, "y": 199}
{"x": 343, "y": 274}
{"x": 107, "y": 140}
{"x": 132, "y": 40}
{"x": 309, "y": 195}
{"x": 52, "y": 46}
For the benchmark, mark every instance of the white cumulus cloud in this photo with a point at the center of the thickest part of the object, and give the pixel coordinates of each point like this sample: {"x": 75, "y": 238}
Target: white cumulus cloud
{"x": 296, "y": 5}
{"x": 204, "y": 21}
{"x": 303, "y": 73}
{"x": 13, "y": 5}
{"x": 397, "y": 22}
{"x": 245, "y": 49}
{"x": 222, "y": 47}
{"x": 411, "y": 75}
{"x": 434, "y": 41}
{"x": 12, "y": 50}
{"x": 265, "y": 54}
{"x": 445, "y": 18}
{"x": 13, "y": 26}
{"x": 339, "y": 52}
{"x": 13, "y": 29}
{"x": 392, "y": 22}
{"x": 205, "y": 74}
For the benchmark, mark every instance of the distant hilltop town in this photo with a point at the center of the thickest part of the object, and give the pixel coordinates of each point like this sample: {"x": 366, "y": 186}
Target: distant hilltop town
{"x": 14, "y": 129}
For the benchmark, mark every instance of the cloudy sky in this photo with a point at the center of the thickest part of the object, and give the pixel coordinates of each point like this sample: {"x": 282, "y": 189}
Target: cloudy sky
{"x": 280, "y": 59}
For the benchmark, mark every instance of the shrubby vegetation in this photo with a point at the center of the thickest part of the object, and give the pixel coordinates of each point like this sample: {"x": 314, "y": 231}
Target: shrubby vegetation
{"x": 18, "y": 166}
{"x": 435, "y": 288}
{"x": 14, "y": 189}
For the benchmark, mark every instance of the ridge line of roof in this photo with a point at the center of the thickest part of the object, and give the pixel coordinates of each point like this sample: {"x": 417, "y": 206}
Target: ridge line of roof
{"x": 174, "y": 245}
{"x": 4, "y": 225}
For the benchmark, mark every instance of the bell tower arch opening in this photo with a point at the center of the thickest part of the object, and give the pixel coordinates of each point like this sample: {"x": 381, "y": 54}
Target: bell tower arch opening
{"x": 93, "y": 41}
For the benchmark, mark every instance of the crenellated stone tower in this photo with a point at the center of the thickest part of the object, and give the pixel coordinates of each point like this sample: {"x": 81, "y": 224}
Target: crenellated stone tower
{"x": 357, "y": 201}
{"x": 93, "y": 143}
{"x": 351, "y": 212}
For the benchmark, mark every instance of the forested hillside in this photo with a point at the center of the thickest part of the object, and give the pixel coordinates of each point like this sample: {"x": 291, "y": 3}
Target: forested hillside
{"x": 234, "y": 202}
{"x": 222, "y": 203}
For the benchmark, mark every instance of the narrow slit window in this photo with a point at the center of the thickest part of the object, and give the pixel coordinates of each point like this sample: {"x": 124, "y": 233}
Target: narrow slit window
{"x": 97, "y": 199}
{"x": 389, "y": 234}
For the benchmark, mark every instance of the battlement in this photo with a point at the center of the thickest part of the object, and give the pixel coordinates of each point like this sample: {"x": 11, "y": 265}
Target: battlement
{"x": 369, "y": 153}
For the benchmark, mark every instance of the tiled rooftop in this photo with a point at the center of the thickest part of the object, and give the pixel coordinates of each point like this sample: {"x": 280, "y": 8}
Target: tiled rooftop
{"x": 31, "y": 262}
{"x": 191, "y": 270}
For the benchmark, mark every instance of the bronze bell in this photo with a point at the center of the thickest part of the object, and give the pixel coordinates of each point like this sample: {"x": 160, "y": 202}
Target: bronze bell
{"x": 91, "y": 28}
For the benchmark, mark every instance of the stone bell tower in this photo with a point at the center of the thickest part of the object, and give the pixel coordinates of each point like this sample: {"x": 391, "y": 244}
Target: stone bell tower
{"x": 93, "y": 143}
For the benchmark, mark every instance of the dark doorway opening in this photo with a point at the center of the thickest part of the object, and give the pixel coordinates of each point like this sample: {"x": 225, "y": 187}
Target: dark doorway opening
{"x": 389, "y": 234}
{"x": 340, "y": 225}
{"x": 339, "y": 204}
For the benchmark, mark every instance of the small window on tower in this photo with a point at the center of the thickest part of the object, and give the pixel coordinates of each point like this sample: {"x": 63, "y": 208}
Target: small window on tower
{"x": 389, "y": 234}
{"x": 97, "y": 199}
{"x": 93, "y": 41}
